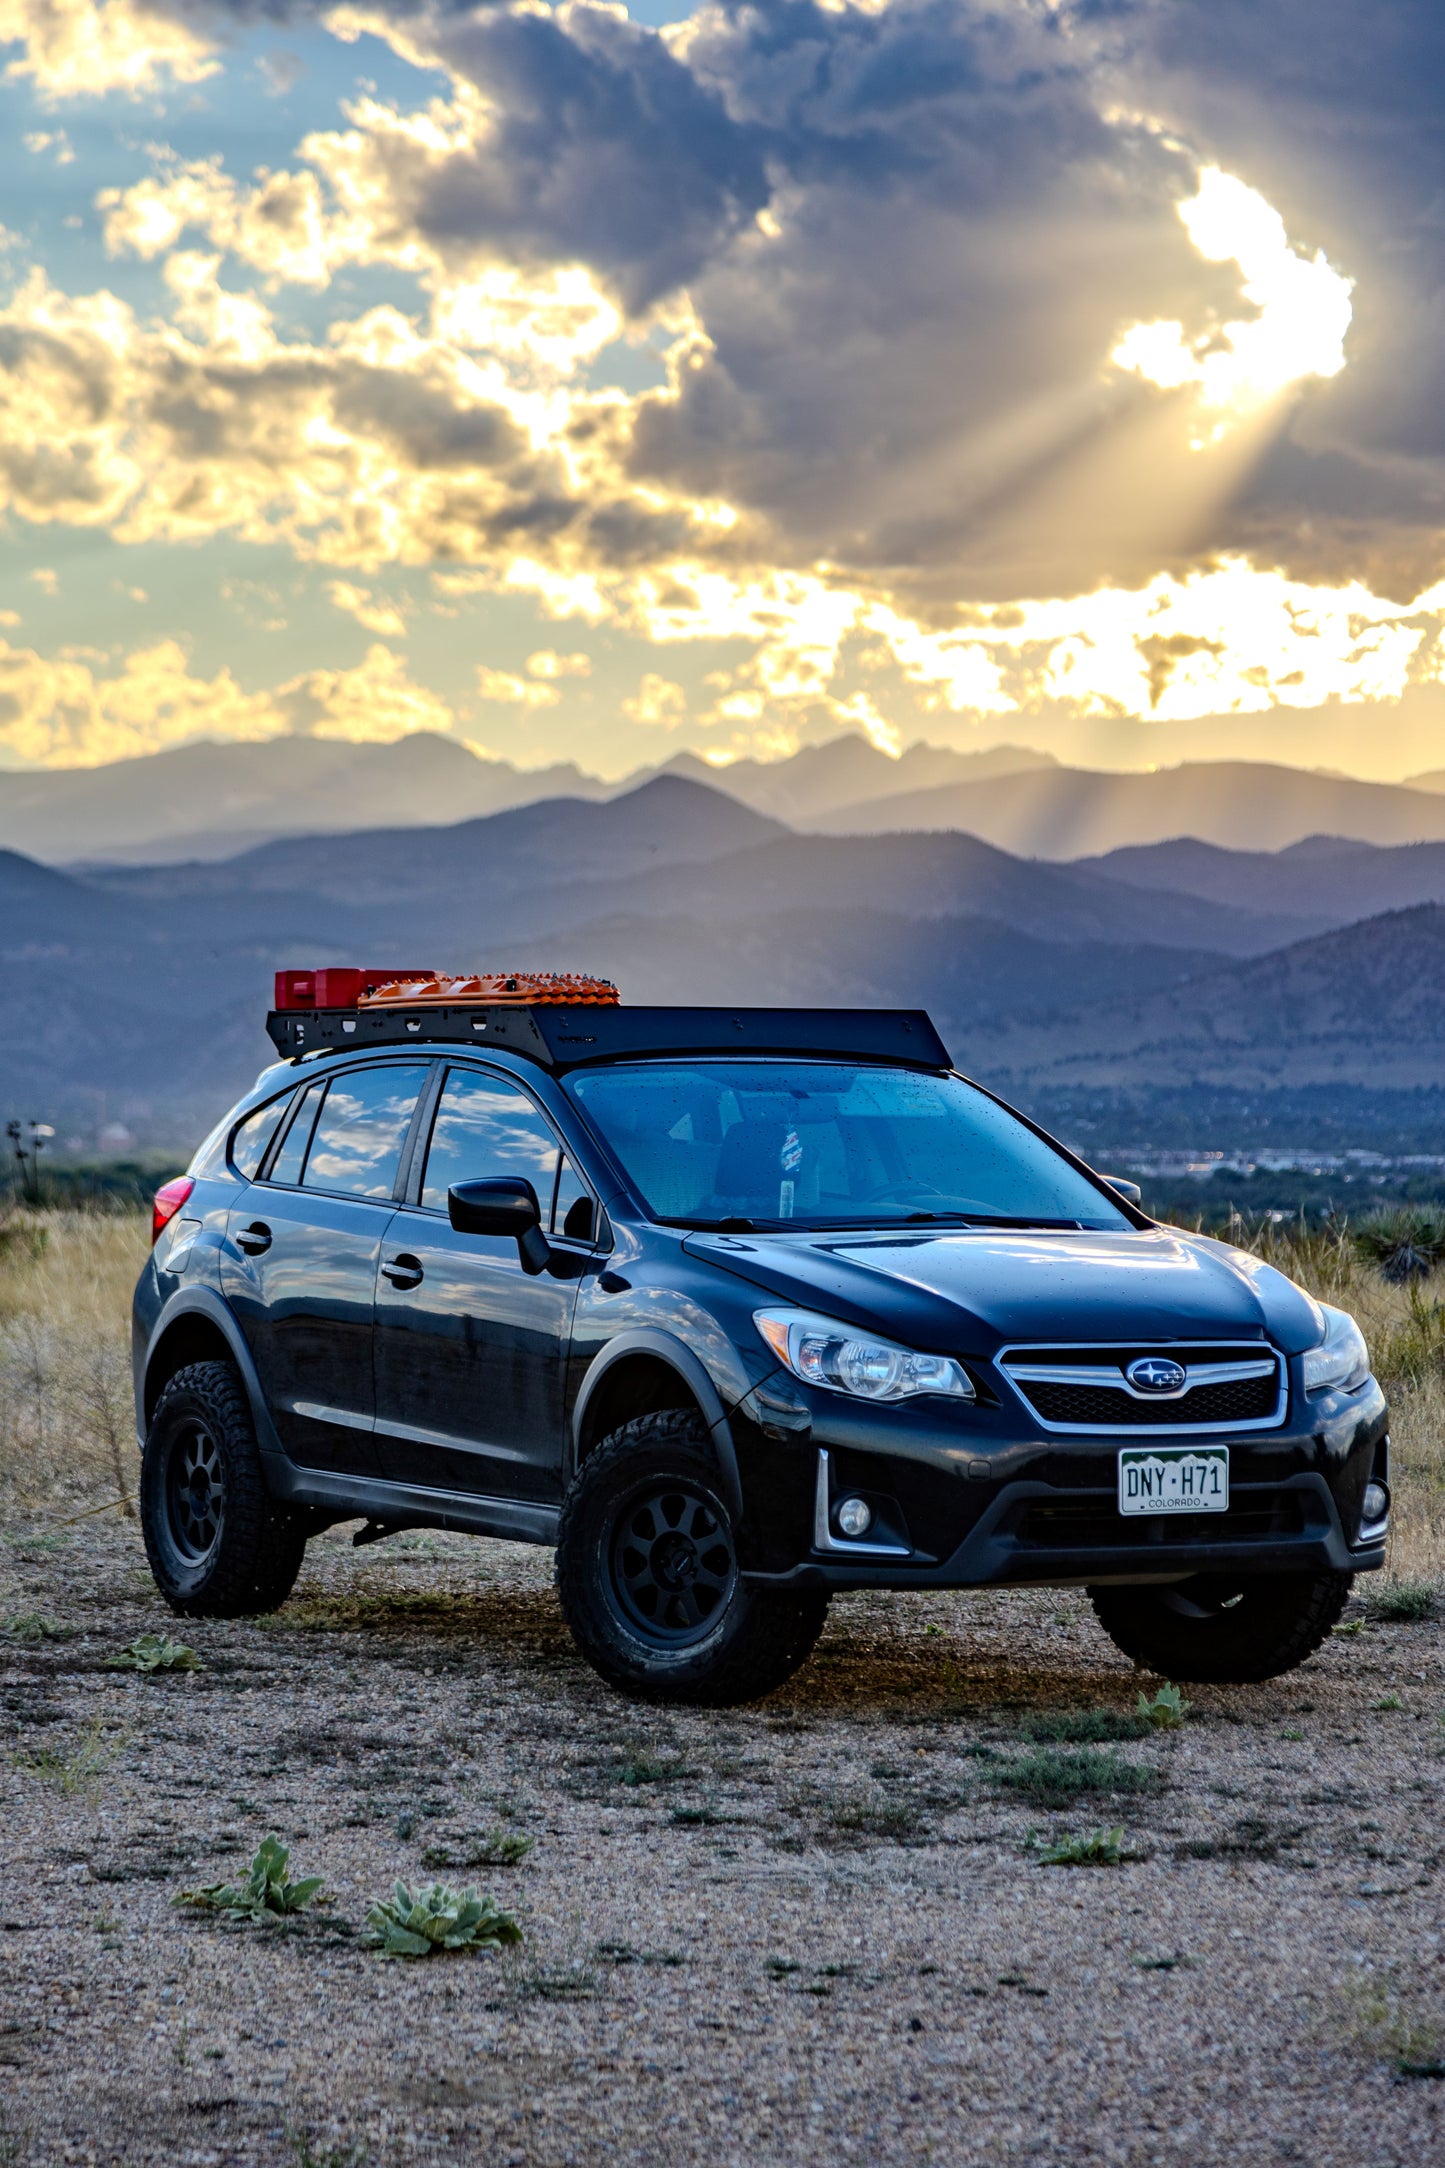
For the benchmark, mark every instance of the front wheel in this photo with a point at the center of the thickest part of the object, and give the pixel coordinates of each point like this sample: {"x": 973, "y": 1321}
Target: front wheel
{"x": 647, "y": 1574}
{"x": 218, "y": 1545}
{"x": 1216, "y": 1629}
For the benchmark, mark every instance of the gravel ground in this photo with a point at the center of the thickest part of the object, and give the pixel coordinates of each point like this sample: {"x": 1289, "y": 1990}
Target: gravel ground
{"x": 814, "y": 1931}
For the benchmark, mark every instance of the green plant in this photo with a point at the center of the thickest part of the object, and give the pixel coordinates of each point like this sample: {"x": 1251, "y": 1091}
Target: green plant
{"x": 1084, "y": 1726}
{"x": 875, "y": 1815}
{"x": 32, "y": 1626}
{"x": 1104, "y": 1848}
{"x": 267, "y": 1892}
{"x": 1382, "y": 2022}
{"x": 641, "y": 1767}
{"x": 1387, "y": 1704}
{"x": 1405, "y": 1242}
{"x": 154, "y": 1652}
{"x": 1052, "y": 1778}
{"x": 498, "y": 1848}
{"x": 78, "y": 1771}
{"x": 1165, "y": 1711}
{"x": 1403, "y": 1602}
{"x": 420, "y": 1923}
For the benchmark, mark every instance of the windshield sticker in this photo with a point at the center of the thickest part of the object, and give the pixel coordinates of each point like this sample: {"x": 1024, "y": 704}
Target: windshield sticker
{"x": 791, "y": 1159}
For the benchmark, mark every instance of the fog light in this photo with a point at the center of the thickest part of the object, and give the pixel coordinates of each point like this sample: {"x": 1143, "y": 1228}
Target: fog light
{"x": 1377, "y": 1502}
{"x": 855, "y": 1517}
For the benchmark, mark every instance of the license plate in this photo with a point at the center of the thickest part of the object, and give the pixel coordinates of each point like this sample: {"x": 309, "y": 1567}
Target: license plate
{"x": 1174, "y": 1479}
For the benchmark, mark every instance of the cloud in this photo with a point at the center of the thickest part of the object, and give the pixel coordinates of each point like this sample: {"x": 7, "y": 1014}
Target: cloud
{"x": 1008, "y": 348}
{"x": 85, "y": 48}
{"x": 512, "y": 691}
{"x": 376, "y": 702}
{"x": 657, "y": 703}
{"x": 64, "y": 715}
{"x": 375, "y": 613}
{"x": 547, "y": 663}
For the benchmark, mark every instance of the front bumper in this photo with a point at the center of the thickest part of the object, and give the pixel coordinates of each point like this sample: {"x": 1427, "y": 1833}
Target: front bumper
{"x": 962, "y": 1500}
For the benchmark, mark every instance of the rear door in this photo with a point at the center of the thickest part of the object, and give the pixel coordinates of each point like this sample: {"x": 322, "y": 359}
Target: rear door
{"x": 471, "y": 1351}
{"x": 302, "y": 1249}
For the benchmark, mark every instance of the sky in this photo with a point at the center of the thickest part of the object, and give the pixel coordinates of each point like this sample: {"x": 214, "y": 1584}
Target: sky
{"x": 590, "y": 382}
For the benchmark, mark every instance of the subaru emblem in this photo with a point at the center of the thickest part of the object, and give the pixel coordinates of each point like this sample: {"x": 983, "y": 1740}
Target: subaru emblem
{"x": 1157, "y": 1374}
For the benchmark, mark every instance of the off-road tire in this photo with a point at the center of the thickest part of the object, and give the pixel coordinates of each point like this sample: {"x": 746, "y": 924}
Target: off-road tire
{"x": 219, "y": 1547}
{"x": 1219, "y": 1630}
{"x": 745, "y": 1647}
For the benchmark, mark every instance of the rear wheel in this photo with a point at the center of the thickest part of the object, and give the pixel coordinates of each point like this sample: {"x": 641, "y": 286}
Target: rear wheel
{"x": 1221, "y": 1629}
{"x": 218, "y": 1545}
{"x": 647, "y": 1574}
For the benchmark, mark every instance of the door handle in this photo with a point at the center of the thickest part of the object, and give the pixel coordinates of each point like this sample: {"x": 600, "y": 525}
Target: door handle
{"x": 403, "y": 1271}
{"x": 254, "y": 1239}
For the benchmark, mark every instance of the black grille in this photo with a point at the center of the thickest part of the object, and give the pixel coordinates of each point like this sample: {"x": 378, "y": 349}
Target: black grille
{"x": 1238, "y": 1400}
{"x": 1096, "y": 1524}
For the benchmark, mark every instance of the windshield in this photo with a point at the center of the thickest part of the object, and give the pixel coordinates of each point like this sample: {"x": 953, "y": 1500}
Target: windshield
{"x": 827, "y": 1144}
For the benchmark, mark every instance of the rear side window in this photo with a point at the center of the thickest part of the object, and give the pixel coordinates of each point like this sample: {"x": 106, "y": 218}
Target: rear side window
{"x": 356, "y": 1147}
{"x": 252, "y": 1138}
{"x": 287, "y": 1165}
{"x": 487, "y": 1127}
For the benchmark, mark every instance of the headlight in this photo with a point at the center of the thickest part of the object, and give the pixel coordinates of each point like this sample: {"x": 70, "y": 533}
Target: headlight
{"x": 1342, "y": 1360}
{"x": 822, "y": 1352}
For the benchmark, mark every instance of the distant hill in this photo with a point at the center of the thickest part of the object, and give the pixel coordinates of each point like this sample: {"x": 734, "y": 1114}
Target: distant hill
{"x": 675, "y": 850}
{"x": 1435, "y": 780}
{"x": 819, "y": 779}
{"x": 211, "y": 800}
{"x": 1358, "y": 1008}
{"x": 1326, "y": 878}
{"x": 1241, "y": 805}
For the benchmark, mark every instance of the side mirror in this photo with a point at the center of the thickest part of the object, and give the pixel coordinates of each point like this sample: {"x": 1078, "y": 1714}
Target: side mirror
{"x": 502, "y": 1206}
{"x": 1129, "y": 1190}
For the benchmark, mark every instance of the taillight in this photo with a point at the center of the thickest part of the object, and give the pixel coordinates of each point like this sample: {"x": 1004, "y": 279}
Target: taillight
{"x": 168, "y": 1201}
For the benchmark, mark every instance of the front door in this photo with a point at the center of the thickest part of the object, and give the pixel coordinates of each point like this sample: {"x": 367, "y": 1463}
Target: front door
{"x": 302, "y": 1248}
{"x": 471, "y": 1351}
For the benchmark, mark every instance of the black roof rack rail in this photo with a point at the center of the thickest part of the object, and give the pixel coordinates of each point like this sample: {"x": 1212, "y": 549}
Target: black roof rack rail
{"x": 566, "y": 1036}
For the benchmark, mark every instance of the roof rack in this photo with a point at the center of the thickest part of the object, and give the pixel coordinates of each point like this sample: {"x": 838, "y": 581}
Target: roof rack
{"x": 561, "y": 1030}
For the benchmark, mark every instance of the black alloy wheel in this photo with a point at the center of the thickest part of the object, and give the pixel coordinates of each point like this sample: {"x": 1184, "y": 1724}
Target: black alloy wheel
{"x": 195, "y": 1492}
{"x": 219, "y": 1545}
{"x": 673, "y": 1563}
{"x": 651, "y": 1580}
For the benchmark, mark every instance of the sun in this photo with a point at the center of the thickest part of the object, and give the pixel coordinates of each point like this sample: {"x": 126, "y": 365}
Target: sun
{"x": 1303, "y": 309}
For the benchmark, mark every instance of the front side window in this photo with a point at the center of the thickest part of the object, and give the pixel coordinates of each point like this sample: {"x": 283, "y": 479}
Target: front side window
{"x": 486, "y": 1128}
{"x": 357, "y": 1143}
{"x": 829, "y": 1144}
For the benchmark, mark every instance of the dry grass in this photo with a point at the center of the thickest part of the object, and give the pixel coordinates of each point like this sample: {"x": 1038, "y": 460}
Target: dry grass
{"x": 1405, "y": 1327}
{"x": 66, "y": 1427}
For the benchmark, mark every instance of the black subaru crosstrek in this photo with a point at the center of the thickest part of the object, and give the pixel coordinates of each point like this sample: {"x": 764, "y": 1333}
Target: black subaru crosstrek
{"x": 734, "y": 1309}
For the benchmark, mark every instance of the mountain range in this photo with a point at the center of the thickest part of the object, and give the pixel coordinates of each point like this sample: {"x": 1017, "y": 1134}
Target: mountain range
{"x": 139, "y": 992}
{"x": 215, "y": 801}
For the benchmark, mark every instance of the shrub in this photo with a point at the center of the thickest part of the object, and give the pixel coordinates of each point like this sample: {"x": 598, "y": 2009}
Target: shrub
{"x": 267, "y": 1892}
{"x": 1104, "y": 1848}
{"x": 1053, "y": 1778}
{"x": 1085, "y": 1726}
{"x": 1403, "y": 1602}
{"x": 424, "y": 1922}
{"x": 1405, "y": 1243}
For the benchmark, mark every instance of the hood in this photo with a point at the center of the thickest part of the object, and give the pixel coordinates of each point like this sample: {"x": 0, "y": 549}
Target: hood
{"x": 975, "y": 1291}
